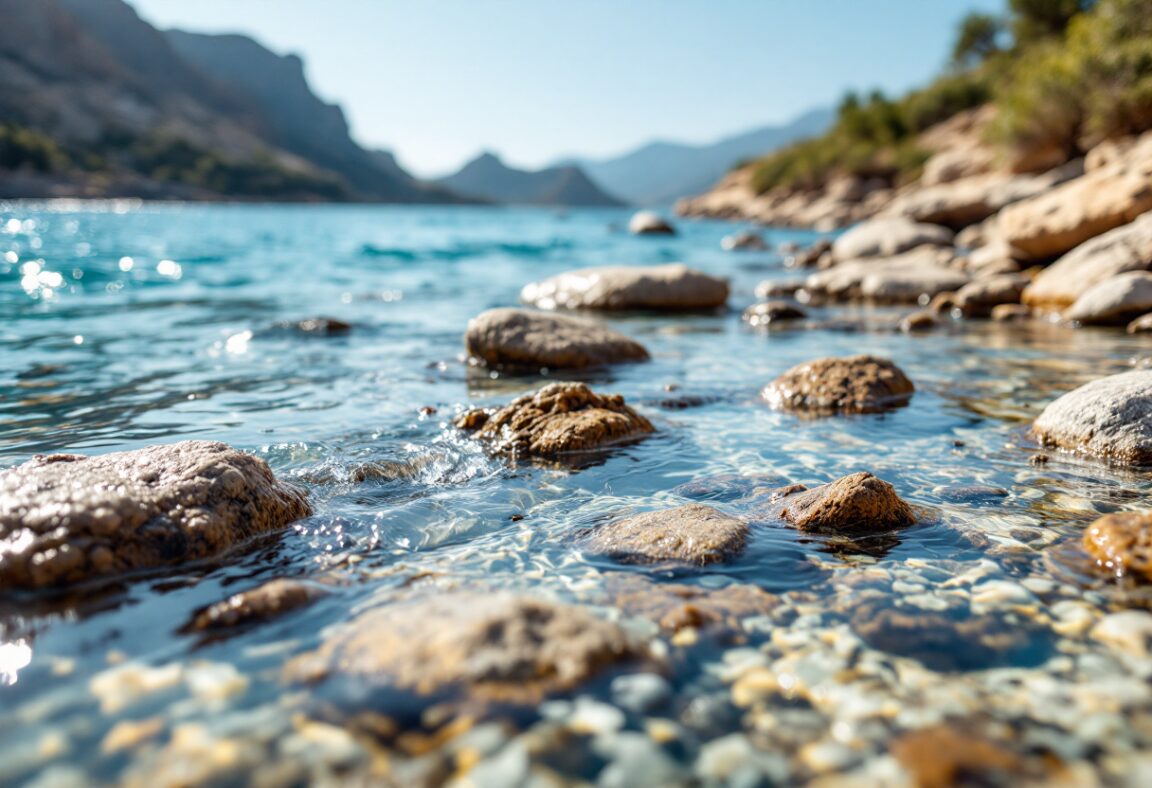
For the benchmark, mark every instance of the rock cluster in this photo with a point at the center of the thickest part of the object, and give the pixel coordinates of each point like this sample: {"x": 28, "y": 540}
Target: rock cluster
{"x": 67, "y": 518}
{"x": 666, "y": 288}
{"x": 558, "y": 419}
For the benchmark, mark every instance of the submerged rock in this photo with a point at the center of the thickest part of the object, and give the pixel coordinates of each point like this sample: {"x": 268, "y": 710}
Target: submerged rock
{"x": 319, "y": 326}
{"x": 858, "y": 502}
{"x": 675, "y": 606}
{"x": 772, "y": 312}
{"x": 855, "y": 384}
{"x": 67, "y": 518}
{"x": 671, "y": 288}
{"x": 1110, "y": 418}
{"x": 692, "y": 534}
{"x": 256, "y": 605}
{"x": 559, "y": 418}
{"x": 946, "y": 755}
{"x": 520, "y": 338}
{"x": 744, "y": 242}
{"x": 920, "y": 320}
{"x": 887, "y": 237}
{"x": 1114, "y": 301}
{"x": 1121, "y": 543}
{"x": 649, "y": 223}
{"x": 478, "y": 646}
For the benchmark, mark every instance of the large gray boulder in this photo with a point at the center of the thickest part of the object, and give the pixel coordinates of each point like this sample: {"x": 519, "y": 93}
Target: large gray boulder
{"x": 888, "y": 236}
{"x": 1110, "y": 418}
{"x": 668, "y": 288}
{"x": 1114, "y": 301}
{"x": 67, "y": 518}
{"x": 523, "y": 338}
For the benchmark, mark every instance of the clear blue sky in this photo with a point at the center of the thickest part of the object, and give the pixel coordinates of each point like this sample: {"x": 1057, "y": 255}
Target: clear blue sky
{"x": 436, "y": 81}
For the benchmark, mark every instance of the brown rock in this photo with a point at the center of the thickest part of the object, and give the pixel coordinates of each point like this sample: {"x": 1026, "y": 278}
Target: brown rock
{"x": 1109, "y": 418}
{"x": 1141, "y": 325}
{"x": 856, "y": 384}
{"x": 921, "y": 320}
{"x": 519, "y": 338}
{"x": 256, "y": 605}
{"x": 328, "y": 326}
{"x": 1127, "y": 248}
{"x": 675, "y": 607}
{"x": 1008, "y": 313}
{"x": 691, "y": 534}
{"x": 1062, "y": 218}
{"x": 1121, "y": 543}
{"x": 770, "y": 312}
{"x": 67, "y": 518}
{"x": 859, "y": 502}
{"x": 478, "y": 646}
{"x": 557, "y": 419}
{"x": 944, "y": 756}
{"x": 977, "y": 299}
{"x": 649, "y": 223}
{"x": 768, "y": 290}
{"x": 672, "y": 288}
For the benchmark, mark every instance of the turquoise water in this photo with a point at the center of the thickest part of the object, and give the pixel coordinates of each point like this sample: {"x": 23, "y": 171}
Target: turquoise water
{"x": 127, "y": 325}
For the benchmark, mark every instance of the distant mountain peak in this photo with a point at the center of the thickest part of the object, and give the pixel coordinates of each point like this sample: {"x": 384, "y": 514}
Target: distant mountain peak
{"x": 486, "y": 177}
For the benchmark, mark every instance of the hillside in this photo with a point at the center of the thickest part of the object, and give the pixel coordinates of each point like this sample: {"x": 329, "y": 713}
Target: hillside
{"x": 488, "y": 178}
{"x": 97, "y": 102}
{"x": 661, "y": 172}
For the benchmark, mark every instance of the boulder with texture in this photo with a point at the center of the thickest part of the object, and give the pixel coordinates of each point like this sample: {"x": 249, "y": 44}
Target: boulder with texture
{"x": 1110, "y": 418}
{"x": 1114, "y": 301}
{"x": 1066, "y": 216}
{"x": 523, "y": 338}
{"x": 667, "y": 288}
{"x": 649, "y": 223}
{"x": 558, "y": 419}
{"x": 692, "y": 534}
{"x": 856, "y": 503}
{"x": 888, "y": 236}
{"x": 68, "y": 518}
{"x": 1121, "y": 543}
{"x": 481, "y": 647}
{"x": 855, "y": 384}
{"x": 1127, "y": 248}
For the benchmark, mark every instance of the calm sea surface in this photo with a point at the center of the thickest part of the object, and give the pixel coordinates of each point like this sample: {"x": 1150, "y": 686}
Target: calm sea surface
{"x": 127, "y": 326}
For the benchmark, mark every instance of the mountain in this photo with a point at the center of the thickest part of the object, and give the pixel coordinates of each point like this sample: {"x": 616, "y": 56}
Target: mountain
{"x": 488, "y": 178}
{"x": 97, "y": 102}
{"x": 662, "y": 172}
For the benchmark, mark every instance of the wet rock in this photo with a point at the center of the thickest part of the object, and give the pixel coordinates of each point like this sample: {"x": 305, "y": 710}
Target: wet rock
{"x": 1110, "y": 418}
{"x": 887, "y": 237}
{"x": 771, "y": 312}
{"x": 769, "y": 289}
{"x": 254, "y": 606}
{"x": 1010, "y": 313}
{"x": 902, "y": 278}
{"x": 858, "y": 502}
{"x": 487, "y": 647}
{"x": 1121, "y": 543}
{"x": 1127, "y": 248}
{"x": 649, "y": 223}
{"x": 522, "y": 338}
{"x": 672, "y": 288}
{"x": 1061, "y": 218}
{"x": 855, "y": 384}
{"x": 1129, "y": 631}
{"x": 979, "y": 298}
{"x": 910, "y": 286}
{"x": 1141, "y": 325}
{"x": 744, "y": 242}
{"x": 921, "y": 320}
{"x": 692, "y": 534}
{"x": 641, "y": 693}
{"x": 67, "y": 518}
{"x": 319, "y": 326}
{"x": 677, "y": 607}
{"x": 726, "y": 486}
{"x": 808, "y": 258}
{"x": 945, "y": 756}
{"x": 559, "y": 418}
{"x": 1114, "y": 301}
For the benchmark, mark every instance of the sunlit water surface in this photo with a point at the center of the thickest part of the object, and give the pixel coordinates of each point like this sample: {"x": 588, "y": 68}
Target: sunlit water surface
{"x": 126, "y": 326}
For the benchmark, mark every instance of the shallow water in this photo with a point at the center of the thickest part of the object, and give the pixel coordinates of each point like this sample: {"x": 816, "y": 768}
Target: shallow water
{"x": 128, "y": 325}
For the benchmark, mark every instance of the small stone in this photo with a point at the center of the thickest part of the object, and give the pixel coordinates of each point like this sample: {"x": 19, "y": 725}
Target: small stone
{"x": 693, "y": 534}
{"x": 1011, "y": 313}
{"x": 747, "y": 241}
{"x": 523, "y": 338}
{"x": 1121, "y": 543}
{"x": 649, "y": 223}
{"x": 129, "y": 734}
{"x": 263, "y": 603}
{"x": 1129, "y": 631}
{"x": 1141, "y": 325}
{"x": 922, "y": 320}
{"x": 979, "y": 298}
{"x": 641, "y": 693}
{"x": 859, "y": 502}
{"x": 326, "y": 326}
{"x": 558, "y": 419}
{"x": 770, "y": 312}
{"x": 856, "y": 384}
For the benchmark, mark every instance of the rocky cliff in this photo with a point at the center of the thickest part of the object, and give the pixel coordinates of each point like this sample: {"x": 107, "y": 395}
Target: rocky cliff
{"x": 488, "y": 178}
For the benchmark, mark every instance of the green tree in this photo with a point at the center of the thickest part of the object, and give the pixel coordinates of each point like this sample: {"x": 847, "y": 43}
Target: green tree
{"x": 977, "y": 40}
{"x": 1035, "y": 20}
